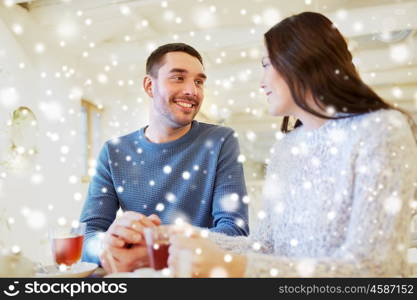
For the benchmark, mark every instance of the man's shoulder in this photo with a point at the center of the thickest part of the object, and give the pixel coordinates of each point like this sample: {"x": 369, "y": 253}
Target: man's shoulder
{"x": 124, "y": 139}
{"x": 215, "y": 130}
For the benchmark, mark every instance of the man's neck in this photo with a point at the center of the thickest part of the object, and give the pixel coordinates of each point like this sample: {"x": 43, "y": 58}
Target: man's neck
{"x": 161, "y": 133}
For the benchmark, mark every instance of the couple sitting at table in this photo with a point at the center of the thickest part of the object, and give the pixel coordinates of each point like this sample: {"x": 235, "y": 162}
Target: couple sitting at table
{"x": 336, "y": 199}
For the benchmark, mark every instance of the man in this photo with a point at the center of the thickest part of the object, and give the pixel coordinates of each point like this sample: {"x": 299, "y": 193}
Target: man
{"x": 175, "y": 169}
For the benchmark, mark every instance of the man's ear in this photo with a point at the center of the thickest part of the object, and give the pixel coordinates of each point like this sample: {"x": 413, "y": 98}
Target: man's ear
{"x": 147, "y": 85}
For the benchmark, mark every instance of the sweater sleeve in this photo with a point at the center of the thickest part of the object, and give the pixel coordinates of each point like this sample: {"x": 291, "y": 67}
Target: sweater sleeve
{"x": 377, "y": 236}
{"x": 259, "y": 239}
{"x": 100, "y": 207}
{"x": 230, "y": 213}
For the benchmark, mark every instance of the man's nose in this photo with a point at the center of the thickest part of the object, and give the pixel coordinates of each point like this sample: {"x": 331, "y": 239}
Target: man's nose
{"x": 190, "y": 89}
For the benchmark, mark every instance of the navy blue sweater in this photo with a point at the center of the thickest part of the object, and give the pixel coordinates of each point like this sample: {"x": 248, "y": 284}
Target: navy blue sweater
{"x": 196, "y": 178}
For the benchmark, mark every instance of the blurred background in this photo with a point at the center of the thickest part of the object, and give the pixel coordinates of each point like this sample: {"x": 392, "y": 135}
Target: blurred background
{"x": 71, "y": 78}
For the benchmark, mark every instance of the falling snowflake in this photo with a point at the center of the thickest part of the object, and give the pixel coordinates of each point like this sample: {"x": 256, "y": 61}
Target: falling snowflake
{"x": 94, "y": 247}
{"x": 170, "y": 197}
{"x": 64, "y": 149}
{"x": 37, "y": 178}
{"x": 239, "y": 222}
{"x": 272, "y": 188}
{"x": 167, "y": 169}
{"x": 399, "y": 53}
{"x": 295, "y": 151}
{"x": 36, "y": 219}
{"x": 204, "y": 233}
{"x": 279, "y": 135}
{"x": 307, "y": 185}
{"x": 230, "y": 202}
{"x": 246, "y": 199}
{"x": 73, "y": 179}
{"x": 397, "y": 92}
{"x": 179, "y": 222}
{"x": 331, "y": 215}
{"x": 261, "y": 215}
{"x": 271, "y": 16}
{"x": 306, "y": 267}
{"x": 92, "y": 172}
{"x": 228, "y": 258}
{"x": 392, "y": 205}
{"x": 160, "y": 207}
{"x": 315, "y": 162}
{"x": 337, "y": 135}
{"x": 204, "y": 17}
{"x": 186, "y": 175}
{"x": 77, "y": 196}
{"x": 15, "y": 249}
{"x": 25, "y": 211}
{"x": 62, "y": 221}
{"x": 279, "y": 208}
{"x": 241, "y": 158}
{"x": 293, "y": 242}
{"x": 198, "y": 251}
{"x": 251, "y": 136}
{"x": 52, "y": 110}
{"x": 256, "y": 246}
{"x": 218, "y": 272}
{"x": 9, "y": 97}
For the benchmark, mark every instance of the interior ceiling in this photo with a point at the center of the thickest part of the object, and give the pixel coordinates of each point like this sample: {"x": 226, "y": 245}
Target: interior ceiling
{"x": 229, "y": 35}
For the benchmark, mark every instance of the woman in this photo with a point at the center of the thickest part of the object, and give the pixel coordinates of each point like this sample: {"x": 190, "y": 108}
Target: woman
{"x": 338, "y": 187}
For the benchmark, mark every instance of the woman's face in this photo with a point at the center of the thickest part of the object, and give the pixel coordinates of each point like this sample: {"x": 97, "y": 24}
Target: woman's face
{"x": 276, "y": 89}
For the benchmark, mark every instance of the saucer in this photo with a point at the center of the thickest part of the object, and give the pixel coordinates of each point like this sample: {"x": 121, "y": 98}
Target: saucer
{"x": 79, "y": 270}
{"x": 139, "y": 273}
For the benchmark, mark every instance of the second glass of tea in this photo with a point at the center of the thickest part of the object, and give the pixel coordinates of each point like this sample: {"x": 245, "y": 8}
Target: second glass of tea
{"x": 157, "y": 243}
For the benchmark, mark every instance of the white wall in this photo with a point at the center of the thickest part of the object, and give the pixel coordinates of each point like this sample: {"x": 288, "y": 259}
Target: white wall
{"x": 33, "y": 198}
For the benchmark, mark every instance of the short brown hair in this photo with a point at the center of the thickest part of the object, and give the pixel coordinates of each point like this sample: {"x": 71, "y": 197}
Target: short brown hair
{"x": 155, "y": 60}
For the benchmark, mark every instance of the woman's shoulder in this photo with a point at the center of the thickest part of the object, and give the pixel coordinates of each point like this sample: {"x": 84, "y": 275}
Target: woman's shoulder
{"x": 385, "y": 129}
{"x": 381, "y": 123}
{"x": 387, "y": 121}
{"x": 383, "y": 116}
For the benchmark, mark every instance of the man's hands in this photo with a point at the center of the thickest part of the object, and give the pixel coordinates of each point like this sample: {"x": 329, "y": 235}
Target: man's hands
{"x": 124, "y": 244}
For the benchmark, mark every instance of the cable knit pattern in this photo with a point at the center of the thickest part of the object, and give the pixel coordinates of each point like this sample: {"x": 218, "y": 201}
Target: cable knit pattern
{"x": 336, "y": 201}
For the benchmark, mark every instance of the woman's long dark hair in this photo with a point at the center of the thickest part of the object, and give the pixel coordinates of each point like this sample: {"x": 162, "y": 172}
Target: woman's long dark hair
{"x": 312, "y": 56}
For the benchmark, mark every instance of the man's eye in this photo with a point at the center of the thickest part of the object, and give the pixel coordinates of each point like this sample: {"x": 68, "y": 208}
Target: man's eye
{"x": 178, "y": 77}
{"x": 199, "y": 82}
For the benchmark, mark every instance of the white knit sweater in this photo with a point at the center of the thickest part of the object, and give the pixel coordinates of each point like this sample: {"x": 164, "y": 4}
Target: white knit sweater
{"x": 336, "y": 201}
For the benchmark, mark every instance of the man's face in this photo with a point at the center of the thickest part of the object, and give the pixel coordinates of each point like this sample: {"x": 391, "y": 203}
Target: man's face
{"x": 178, "y": 91}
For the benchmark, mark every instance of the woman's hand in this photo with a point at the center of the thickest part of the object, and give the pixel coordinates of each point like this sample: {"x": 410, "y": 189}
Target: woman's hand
{"x": 193, "y": 254}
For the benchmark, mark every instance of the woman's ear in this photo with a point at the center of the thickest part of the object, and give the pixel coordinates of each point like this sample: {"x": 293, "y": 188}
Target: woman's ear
{"x": 147, "y": 85}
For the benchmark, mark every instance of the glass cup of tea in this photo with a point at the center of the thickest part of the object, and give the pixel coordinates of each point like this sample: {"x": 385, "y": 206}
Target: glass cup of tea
{"x": 67, "y": 243}
{"x": 157, "y": 243}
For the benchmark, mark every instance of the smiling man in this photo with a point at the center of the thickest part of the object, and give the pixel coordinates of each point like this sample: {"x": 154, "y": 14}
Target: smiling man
{"x": 175, "y": 169}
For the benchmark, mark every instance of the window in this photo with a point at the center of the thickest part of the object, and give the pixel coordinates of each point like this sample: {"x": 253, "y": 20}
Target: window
{"x": 91, "y": 132}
